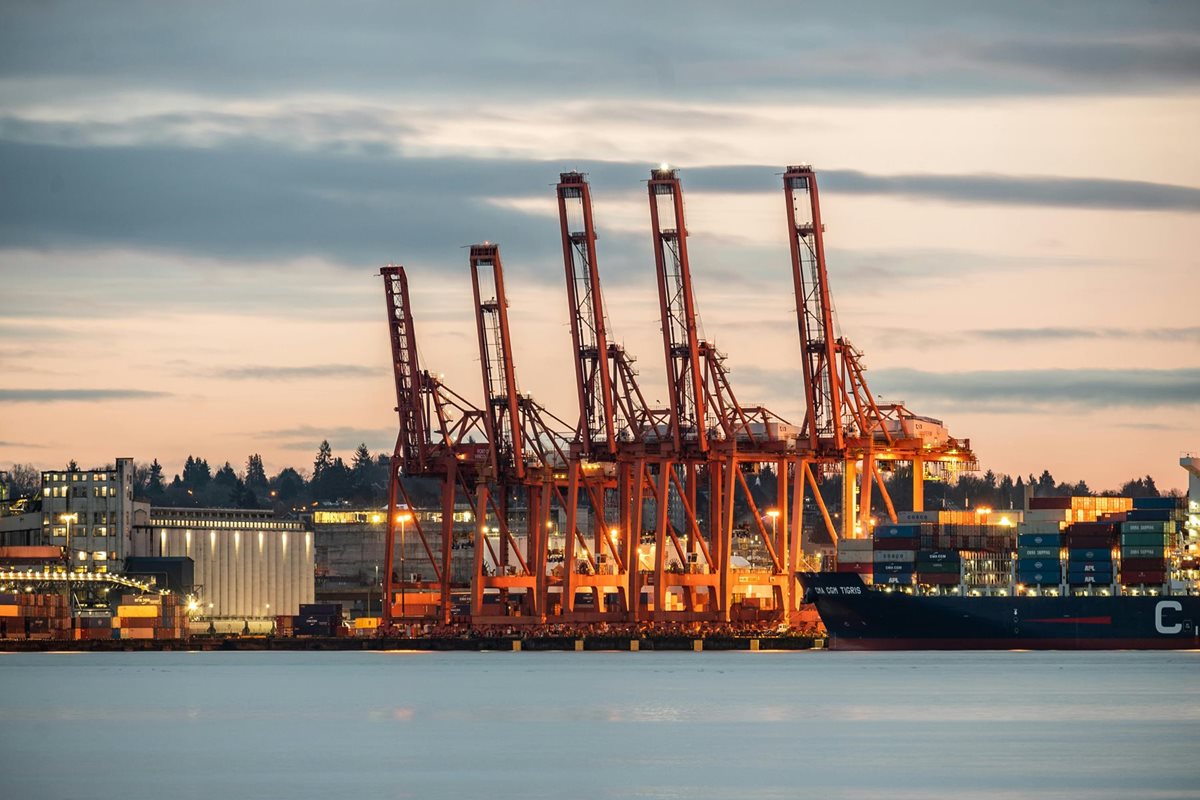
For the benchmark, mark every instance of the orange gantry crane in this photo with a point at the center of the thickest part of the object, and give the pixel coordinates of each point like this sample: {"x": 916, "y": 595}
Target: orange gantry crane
{"x": 436, "y": 440}
{"x": 843, "y": 423}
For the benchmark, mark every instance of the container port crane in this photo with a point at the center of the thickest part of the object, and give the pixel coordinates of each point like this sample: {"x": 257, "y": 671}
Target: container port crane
{"x": 842, "y": 420}
{"x": 645, "y": 496}
{"x": 437, "y": 438}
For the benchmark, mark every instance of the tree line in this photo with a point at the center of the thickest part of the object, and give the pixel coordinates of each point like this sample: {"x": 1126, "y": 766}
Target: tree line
{"x": 363, "y": 482}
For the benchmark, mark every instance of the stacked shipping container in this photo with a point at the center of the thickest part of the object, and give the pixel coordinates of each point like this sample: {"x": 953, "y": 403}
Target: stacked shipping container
{"x": 25, "y": 615}
{"x": 1039, "y": 559}
{"x": 318, "y": 619}
{"x": 894, "y": 553}
{"x": 1090, "y": 552}
{"x": 151, "y": 616}
{"x": 1147, "y": 535}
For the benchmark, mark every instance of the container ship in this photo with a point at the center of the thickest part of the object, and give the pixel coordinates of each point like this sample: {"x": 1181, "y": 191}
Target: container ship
{"x": 1072, "y": 573}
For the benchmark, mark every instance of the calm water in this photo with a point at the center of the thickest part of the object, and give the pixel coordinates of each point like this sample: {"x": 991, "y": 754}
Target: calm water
{"x": 583, "y": 725}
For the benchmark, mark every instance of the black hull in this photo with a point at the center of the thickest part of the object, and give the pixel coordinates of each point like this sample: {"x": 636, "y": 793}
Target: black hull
{"x": 859, "y": 618}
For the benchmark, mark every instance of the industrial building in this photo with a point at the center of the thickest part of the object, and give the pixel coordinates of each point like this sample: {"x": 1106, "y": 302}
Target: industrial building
{"x": 249, "y": 566}
{"x": 91, "y": 513}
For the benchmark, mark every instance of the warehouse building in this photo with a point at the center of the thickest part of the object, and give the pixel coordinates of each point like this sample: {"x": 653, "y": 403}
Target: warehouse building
{"x": 249, "y": 566}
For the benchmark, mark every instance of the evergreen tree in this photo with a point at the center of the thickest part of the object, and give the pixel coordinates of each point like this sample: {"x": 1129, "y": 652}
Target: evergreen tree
{"x": 323, "y": 461}
{"x": 288, "y": 485}
{"x": 154, "y": 482}
{"x": 256, "y": 475}
{"x": 196, "y": 473}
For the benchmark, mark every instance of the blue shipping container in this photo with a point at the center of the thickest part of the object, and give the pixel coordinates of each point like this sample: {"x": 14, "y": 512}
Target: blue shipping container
{"x": 897, "y": 531}
{"x": 1104, "y": 576}
{"x": 1150, "y": 515}
{"x": 1040, "y": 577}
{"x": 1156, "y": 503}
{"x": 1039, "y": 539}
{"x": 1039, "y": 564}
{"x": 1038, "y": 552}
{"x": 1143, "y": 551}
{"x": 1080, "y": 554}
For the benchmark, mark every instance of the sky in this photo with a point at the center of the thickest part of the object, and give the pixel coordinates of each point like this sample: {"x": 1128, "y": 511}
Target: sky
{"x": 196, "y": 198}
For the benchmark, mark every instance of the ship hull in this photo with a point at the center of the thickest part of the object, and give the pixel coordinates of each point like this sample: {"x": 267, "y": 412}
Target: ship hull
{"x": 859, "y": 618}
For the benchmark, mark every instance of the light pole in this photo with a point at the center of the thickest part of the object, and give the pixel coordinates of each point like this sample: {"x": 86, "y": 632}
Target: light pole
{"x": 773, "y": 513}
{"x": 403, "y": 518}
{"x": 68, "y": 519}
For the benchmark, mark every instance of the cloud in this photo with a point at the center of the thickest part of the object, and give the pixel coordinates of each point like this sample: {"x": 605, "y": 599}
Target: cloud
{"x": 1006, "y": 391}
{"x": 340, "y": 437}
{"x": 1026, "y": 190}
{"x": 75, "y": 395}
{"x": 273, "y": 373}
{"x": 525, "y": 50}
{"x": 1148, "y": 426}
{"x": 32, "y": 445}
{"x": 1002, "y": 391}
{"x": 264, "y": 203}
{"x": 1059, "y": 333}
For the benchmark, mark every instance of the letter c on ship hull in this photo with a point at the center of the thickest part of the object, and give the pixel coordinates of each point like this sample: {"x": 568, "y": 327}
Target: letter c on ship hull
{"x": 1174, "y": 605}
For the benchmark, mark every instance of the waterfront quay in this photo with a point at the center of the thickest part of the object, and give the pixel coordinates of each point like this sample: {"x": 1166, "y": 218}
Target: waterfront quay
{"x": 468, "y": 643}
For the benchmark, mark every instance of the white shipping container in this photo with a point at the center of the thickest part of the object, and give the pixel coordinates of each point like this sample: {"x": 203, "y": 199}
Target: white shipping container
{"x": 1048, "y": 515}
{"x": 1039, "y": 527}
{"x": 895, "y": 555}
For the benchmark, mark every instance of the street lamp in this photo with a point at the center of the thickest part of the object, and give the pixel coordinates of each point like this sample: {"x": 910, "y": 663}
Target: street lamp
{"x": 403, "y": 518}
{"x": 69, "y": 519}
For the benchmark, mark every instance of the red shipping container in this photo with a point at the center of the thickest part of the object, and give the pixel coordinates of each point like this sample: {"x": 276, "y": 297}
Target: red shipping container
{"x": 1093, "y": 528}
{"x": 1142, "y": 564}
{"x": 1077, "y": 541}
{"x": 855, "y": 566}
{"x": 1046, "y": 503}
{"x": 938, "y": 578}
{"x": 895, "y": 544}
{"x": 1143, "y": 576}
{"x": 139, "y": 622}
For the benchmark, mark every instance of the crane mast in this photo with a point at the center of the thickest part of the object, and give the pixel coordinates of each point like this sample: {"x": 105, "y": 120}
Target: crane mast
{"x": 677, "y": 306}
{"x": 503, "y": 413}
{"x": 597, "y": 412}
{"x": 823, "y": 418}
{"x": 435, "y": 436}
